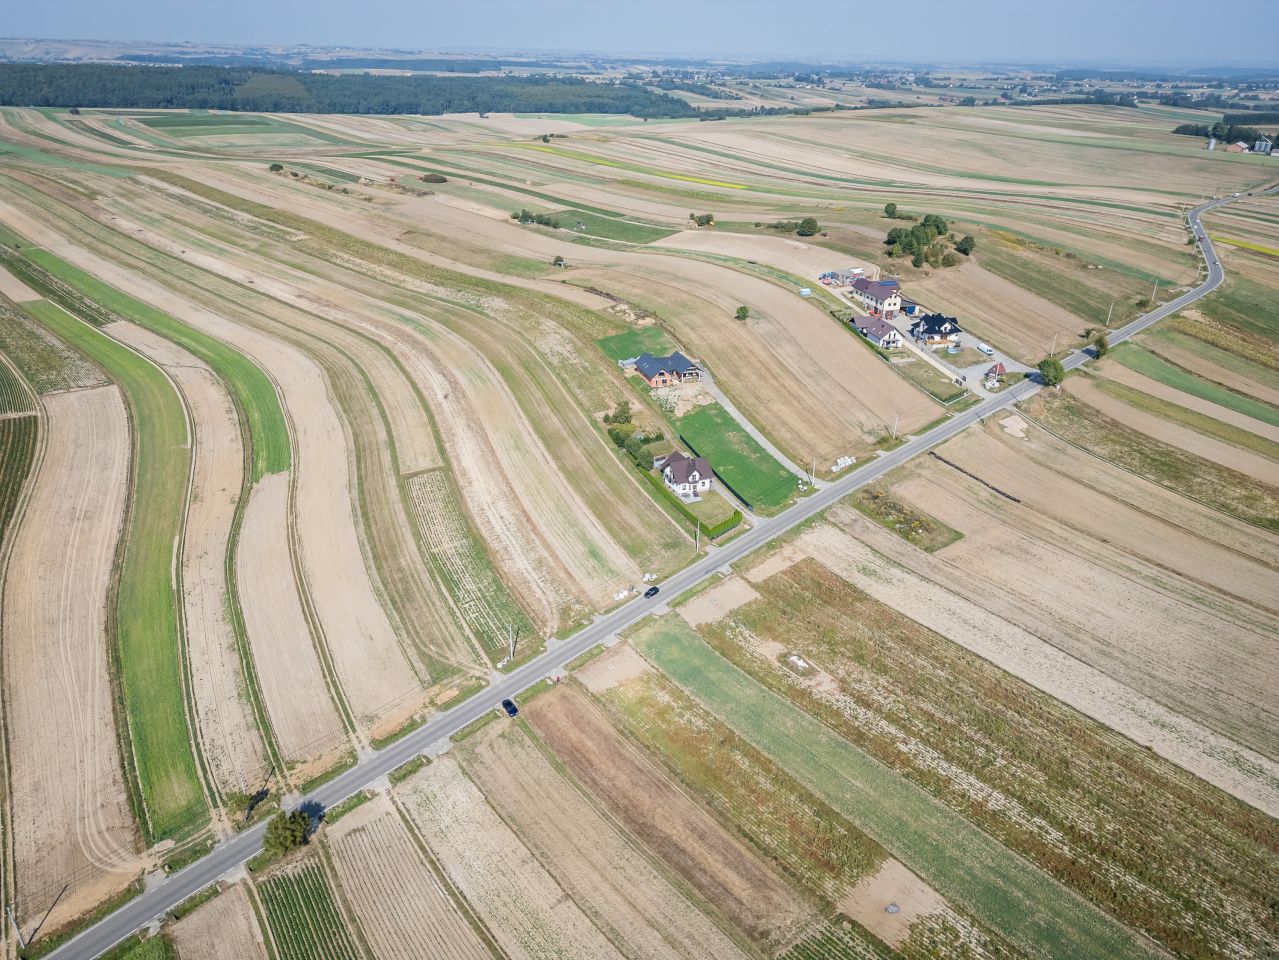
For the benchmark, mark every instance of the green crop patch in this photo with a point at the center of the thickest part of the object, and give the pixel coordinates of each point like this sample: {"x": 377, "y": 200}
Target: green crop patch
{"x": 736, "y": 457}
{"x": 968, "y": 867}
{"x": 148, "y": 646}
{"x": 1156, "y": 368}
{"x": 14, "y": 397}
{"x": 303, "y": 915}
{"x": 591, "y": 224}
{"x": 190, "y": 120}
{"x": 253, "y": 391}
{"x": 18, "y": 437}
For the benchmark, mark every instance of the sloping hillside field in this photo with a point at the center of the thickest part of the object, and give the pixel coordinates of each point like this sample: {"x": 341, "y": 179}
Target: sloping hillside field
{"x": 310, "y": 426}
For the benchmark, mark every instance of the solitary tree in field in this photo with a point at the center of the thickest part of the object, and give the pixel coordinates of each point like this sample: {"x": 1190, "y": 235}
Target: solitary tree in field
{"x": 1051, "y": 372}
{"x": 742, "y": 313}
{"x": 808, "y": 227}
{"x": 285, "y": 832}
{"x": 890, "y": 211}
{"x": 1102, "y": 346}
{"x": 276, "y": 167}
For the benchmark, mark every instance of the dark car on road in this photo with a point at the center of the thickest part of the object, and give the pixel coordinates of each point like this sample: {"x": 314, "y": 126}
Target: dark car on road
{"x": 650, "y": 592}
{"x": 510, "y": 707}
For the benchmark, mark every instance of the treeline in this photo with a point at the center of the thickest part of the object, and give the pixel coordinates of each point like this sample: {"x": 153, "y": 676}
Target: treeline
{"x": 1104, "y": 98}
{"x": 1254, "y": 116}
{"x": 1229, "y": 133}
{"x": 257, "y": 90}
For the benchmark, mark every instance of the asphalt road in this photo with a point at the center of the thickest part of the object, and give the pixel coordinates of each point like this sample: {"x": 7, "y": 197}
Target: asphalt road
{"x": 233, "y": 851}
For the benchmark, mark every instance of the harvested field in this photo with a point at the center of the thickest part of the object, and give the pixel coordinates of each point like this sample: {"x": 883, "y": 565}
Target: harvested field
{"x": 891, "y": 884}
{"x": 15, "y": 289}
{"x": 616, "y": 666}
{"x": 928, "y": 709}
{"x": 804, "y": 260}
{"x": 397, "y": 898}
{"x": 599, "y": 867}
{"x": 69, "y": 810}
{"x": 720, "y": 600}
{"x": 294, "y": 690}
{"x": 224, "y": 716}
{"x": 303, "y": 914}
{"x": 717, "y": 865}
{"x": 960, "y": 861}
{"x": 223, "y": 929}
{"x": 526, "y": 911}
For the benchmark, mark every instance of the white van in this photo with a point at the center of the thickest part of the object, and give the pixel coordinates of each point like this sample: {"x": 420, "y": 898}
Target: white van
{"x": 986, "y": 349}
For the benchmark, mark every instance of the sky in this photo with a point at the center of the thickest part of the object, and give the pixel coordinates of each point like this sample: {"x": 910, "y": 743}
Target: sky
{"x": 1145, "y": 32}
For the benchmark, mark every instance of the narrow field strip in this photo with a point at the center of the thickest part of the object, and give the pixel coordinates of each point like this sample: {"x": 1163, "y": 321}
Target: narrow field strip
{"x": 1156, "y": 368}
{"x": 963, "y": 863}
{"x": 148, "y": 646}
{"x": 223, "y": 929}
{"x": 68, "y": 810}
{"x": 303, "y": 915}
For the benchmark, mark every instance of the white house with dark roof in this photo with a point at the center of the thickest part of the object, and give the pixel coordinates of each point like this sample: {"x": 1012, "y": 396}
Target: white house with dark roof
{"x": 934, "y": 329}
{"x": 878, "y": 331}
{"x": 687, "y": 477}
{"x": 878, "y": 298}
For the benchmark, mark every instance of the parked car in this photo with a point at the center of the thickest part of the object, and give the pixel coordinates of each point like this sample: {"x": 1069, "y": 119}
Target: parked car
{"x": 509, "y": 706}
{"x": 986, "y": 349}
{"x": 650, "y": 592}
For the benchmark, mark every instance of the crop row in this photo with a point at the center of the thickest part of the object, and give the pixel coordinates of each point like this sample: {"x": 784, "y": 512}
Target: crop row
{"x": 485, "y": 603}
{"x": 14, "y": 397}
{"x": 17, "y": 448}
{"x": 839, "y": 940}
{"x": 303, "y": 916}
{"x": 46, "y": 364}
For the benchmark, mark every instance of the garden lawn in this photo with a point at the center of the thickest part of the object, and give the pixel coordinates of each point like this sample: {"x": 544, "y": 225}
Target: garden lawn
{"x": 1156, "y": 368}
{"x": 148, "y": 651}
{"x": 633, "y": 342}
{"x": 974, "y": 872}
{"x": 736, "y": 457}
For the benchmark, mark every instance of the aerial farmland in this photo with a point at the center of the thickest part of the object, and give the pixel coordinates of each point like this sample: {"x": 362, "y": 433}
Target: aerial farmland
{"x": 337, "y": 552}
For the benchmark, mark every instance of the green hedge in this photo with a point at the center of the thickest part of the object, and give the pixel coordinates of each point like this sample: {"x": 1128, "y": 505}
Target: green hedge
{"x": 716, "y": 530}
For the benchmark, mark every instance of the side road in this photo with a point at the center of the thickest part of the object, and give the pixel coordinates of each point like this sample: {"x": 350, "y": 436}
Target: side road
{"x": 234, "y": 851}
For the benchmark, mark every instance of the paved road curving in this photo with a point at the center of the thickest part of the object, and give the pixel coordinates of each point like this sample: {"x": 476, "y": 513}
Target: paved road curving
{"x": 233, "y": 851}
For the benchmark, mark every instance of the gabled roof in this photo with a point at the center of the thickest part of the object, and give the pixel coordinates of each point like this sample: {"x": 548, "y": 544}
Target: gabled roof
{"x": 935, "y": 324}
{"x": 873, "y": 327}
{"x": 873, "y": 288}
{"x": 997, "y": 370}
{"x": 682, "y": 467}
{"x": 650, "y": 366}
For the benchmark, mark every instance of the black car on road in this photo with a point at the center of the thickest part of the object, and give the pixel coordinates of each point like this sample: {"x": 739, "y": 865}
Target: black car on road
{"x": 510, "y": 707}
{"x": 650, "y": 592}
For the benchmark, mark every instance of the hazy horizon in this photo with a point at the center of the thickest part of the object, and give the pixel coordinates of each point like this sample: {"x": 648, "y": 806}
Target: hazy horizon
{"x": 1145, "y": 33}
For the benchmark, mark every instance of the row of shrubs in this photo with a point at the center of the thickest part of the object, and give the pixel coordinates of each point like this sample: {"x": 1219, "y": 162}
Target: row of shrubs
{"x": 712, "y": 530}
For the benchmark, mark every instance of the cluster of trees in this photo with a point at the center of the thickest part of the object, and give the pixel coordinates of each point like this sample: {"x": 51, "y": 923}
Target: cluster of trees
{"x": 808, "y": 227}
{"x": 541, "y": 219}
{"x": 263, "y": 90}
{"x": 623, "y": 432}
{"x": 285, "y": 832}
{"x": 1228, "y": 132}
{"x": 703, "y": 219}
{"x": 925, "y": 241}
{"x": 701, "y": 89}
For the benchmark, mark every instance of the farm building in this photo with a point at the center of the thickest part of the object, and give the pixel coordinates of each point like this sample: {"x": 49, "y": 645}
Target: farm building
{"x": 687, "y": 477}
{"x": 878, "y": 298}
{"x": 663, "y": 371}
{"x": 934, "y": 329}
{"x": 995, "y": 375}
{"x": 879, "y": 332}
{"x": 1239, "y": 147}
{"x": 1263, "y": 146}
{"x": 911, "y": 308}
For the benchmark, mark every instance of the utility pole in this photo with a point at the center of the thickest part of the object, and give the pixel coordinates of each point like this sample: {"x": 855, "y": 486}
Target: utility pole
{"x": 697, "y": 544}
{"x": 1109, "y": 313}
{"x": 510, "y": 633}
{"x": 1054, "y": 348}
{"x": 896, "y": 416}
{"x": 1154, "y": 292}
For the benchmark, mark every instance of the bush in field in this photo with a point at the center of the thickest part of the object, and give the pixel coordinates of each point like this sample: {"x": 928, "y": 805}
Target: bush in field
{"x": 285, "y": 832}
{"x": 541, "y": 219}
{"x": 742, "y": 313}
{"x": 890, "y": 211}
{"x": 966, "y": 245}
{"x": 703, "y": 219}
{"x": 807, "y": 227}
{"x": 1051, "y": 372}
{"x": 276, "y": 167}
{"x": 433, "y": 178}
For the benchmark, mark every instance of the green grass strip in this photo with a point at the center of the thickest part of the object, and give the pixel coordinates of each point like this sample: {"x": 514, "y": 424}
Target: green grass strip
{"x": 737, "y": 456}
{"x": 148, "y": 647}
{"x": 973, "y": 871}
{"x": 254, "y": 392}
{"x": 1156, "y": 368}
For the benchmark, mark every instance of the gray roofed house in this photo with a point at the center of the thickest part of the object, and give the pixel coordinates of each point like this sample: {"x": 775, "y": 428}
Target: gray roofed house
{"x": 878, "y": 297}
{"x": 663, "y": 371}
{"x": 685, "y": 476}
{"x": 878, "y": 331}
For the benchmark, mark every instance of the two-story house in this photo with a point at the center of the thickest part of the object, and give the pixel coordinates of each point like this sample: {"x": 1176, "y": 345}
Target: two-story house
{"x": 687, "y": 477}
{"x": 881, "y": 299}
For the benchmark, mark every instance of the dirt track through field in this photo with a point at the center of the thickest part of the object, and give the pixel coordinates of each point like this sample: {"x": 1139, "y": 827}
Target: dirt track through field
{"x": 600, "y": 868}
{"x": 229, "y": 738}
{"x": 924, "y": 588}
{"x": 70, "y": 814}
{"x": 527, "y": 912}
{"x": 400, "y": 905}
{"x": 294, "y": 691}
{"x": 223, "y": 929}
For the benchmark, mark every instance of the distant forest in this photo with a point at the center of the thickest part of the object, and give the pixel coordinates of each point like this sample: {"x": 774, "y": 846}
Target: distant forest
{"x": 274, "y": 91}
